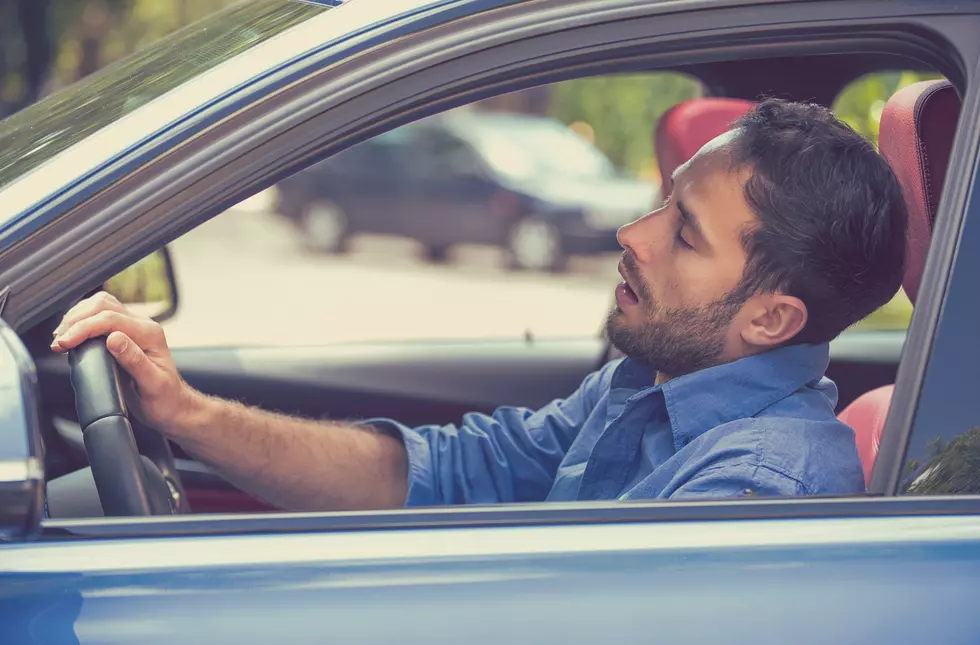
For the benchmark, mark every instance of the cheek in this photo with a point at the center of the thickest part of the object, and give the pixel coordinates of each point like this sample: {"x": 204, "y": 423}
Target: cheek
{"x": 699, "y": 281}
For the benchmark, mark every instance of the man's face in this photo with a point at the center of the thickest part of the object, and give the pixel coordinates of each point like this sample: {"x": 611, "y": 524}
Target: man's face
{"x": 676, "y": 309}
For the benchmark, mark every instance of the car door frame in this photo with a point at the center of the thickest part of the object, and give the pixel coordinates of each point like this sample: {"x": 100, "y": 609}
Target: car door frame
{"x": 935, "y": 397}
{"x": 234, "y": 157}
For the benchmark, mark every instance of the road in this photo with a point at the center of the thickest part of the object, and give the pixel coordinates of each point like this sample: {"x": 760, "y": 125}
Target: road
{"x": 244, "y": 279}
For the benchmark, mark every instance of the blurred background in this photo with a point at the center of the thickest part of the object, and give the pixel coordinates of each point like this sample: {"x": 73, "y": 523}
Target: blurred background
{"x": 413, "y": 216}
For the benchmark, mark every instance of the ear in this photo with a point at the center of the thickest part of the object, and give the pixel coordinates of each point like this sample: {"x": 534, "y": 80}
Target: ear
{"x": 775, "y": 320}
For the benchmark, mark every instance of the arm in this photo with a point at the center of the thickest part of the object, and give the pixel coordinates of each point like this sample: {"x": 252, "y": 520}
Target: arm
{"x": 294, "y": 463}
{"x": 510, "y": 456}
{"x": 310, "y": 465}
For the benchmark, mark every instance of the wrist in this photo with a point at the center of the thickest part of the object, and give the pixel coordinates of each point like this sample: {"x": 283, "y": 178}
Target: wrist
{"x": 192, "y": 415}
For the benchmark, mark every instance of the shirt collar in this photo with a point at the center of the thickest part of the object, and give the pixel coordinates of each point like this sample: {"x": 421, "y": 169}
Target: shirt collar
{"x": 702, "y": 400}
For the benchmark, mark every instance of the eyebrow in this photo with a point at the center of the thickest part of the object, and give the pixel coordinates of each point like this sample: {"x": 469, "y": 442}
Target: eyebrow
{"x": 691, "y": 221}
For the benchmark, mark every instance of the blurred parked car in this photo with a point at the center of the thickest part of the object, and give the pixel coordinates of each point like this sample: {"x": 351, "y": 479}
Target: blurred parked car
{"x": 528, "y": 184}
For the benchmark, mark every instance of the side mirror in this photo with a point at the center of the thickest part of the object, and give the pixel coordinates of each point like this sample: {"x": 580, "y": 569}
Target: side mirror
{"x": 149, "y": 287}
{"x": 21, "y": 462}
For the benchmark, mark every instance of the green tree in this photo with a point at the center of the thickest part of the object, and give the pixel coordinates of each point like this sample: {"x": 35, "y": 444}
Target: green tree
{"x": 622, "y": 110}
{"x": 954, "y": 468}
{"x": 861, "y": 103}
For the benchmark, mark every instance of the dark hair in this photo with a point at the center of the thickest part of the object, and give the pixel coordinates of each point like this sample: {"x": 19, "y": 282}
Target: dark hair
{"x": 832, "y": 220}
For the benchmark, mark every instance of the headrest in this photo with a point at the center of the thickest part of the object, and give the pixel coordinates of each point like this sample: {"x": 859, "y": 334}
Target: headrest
{"x": 916, "y": 137}
{"x": 686, "y": 127}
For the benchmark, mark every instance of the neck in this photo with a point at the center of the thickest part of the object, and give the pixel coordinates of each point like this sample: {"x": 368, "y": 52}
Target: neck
{"x": 662, "y": 378}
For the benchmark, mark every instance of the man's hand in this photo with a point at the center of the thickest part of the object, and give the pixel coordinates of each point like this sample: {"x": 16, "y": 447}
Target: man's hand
{"x": 140, "y": 347}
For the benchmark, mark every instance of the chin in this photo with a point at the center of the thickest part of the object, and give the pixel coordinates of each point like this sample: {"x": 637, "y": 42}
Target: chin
{"x": 617, "y": 324}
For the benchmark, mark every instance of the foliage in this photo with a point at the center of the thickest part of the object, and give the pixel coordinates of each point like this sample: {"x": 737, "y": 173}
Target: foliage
{"x": 861, "y": 103}
{"x": 622, "y": 110}
{"x": 895, "y": 315}
{"x": 146, "y": 281}
{"x": 952, "y": 469}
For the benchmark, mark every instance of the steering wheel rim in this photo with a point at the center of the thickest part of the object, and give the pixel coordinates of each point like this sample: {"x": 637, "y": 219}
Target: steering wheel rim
{"x": 128, "y": 483}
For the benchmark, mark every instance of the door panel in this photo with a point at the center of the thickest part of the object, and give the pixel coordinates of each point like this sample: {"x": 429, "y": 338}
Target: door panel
{"x": 881, "y": 580}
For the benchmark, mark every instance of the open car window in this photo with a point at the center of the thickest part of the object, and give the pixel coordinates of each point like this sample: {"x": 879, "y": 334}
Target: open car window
{"x": 499, "y": 218}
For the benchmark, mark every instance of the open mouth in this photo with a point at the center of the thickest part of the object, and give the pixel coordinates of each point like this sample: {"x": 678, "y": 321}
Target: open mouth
{"x": 625, "y": 296}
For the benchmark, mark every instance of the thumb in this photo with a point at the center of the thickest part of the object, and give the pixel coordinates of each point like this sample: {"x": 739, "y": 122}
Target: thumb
{"x": 131, "y": 358}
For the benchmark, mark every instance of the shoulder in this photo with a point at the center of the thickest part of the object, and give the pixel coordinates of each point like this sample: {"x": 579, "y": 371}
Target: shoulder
{"x": 819, "y": 454}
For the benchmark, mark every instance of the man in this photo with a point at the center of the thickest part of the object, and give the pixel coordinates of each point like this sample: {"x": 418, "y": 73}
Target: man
{"x": 777, "y": 236}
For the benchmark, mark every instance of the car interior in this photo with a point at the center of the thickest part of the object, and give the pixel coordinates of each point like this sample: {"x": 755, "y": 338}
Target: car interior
{"x": 438, "y": 382}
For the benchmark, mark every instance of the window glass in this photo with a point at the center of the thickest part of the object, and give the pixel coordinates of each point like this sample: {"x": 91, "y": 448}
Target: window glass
{"x": 497, "y": 220}
{"x": 943, "y": 455}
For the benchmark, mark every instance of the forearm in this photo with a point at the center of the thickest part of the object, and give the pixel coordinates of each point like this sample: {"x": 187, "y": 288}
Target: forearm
{"x": 295, "y": 464}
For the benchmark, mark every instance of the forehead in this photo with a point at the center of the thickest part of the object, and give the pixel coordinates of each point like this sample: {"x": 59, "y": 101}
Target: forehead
{"x": 713, "y": 189}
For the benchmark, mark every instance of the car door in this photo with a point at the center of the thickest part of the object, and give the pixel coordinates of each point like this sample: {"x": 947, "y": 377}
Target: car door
{"x": 810, "y": 571}
{"x": 862, "y": 573}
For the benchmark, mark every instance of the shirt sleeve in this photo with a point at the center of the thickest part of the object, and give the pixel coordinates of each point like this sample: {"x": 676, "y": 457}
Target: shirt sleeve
{"x": 510, "y": 456}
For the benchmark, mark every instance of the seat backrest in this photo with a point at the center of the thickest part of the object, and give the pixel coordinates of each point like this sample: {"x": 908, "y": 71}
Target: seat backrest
{"x": 686, "y": 127}
{"x": 866, "y": 415}
{"x": 915, "y": 137}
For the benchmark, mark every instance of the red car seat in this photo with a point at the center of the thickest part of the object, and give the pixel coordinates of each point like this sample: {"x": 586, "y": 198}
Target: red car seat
{"x": 916, "y": 136}
{"x": 687, "y": 126}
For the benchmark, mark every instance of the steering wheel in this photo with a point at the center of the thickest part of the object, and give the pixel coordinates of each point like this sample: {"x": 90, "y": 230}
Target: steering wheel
{"x": 128, "y": 483}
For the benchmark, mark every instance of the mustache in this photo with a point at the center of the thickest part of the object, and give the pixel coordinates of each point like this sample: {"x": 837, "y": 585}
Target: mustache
{"x": 631, "y": 270}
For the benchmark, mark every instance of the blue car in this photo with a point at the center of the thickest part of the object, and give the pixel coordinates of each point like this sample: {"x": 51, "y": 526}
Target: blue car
{"x": 527, "y": 184}
{"x": 97, "y": 180}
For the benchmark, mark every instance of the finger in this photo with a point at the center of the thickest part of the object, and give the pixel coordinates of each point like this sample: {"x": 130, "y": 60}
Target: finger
{"x": 102, "y": 301}
{"x": 146, "y": 375}
{"x": 147, "y": 334}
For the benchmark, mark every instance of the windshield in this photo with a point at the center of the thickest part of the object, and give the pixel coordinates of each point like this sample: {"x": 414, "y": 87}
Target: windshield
{"x": 523, "y": 147}
{"x": 39, "y": 132}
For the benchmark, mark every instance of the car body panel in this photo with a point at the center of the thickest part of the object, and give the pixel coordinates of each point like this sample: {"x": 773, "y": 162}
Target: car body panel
{"x": 811, "y": 582}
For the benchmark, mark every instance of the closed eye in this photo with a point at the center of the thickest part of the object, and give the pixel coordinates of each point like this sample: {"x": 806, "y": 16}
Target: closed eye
{"x": 682, "y": 241}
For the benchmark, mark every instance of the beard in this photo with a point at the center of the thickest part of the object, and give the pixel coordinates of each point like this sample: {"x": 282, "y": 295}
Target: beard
{"x": 675, "y": 341}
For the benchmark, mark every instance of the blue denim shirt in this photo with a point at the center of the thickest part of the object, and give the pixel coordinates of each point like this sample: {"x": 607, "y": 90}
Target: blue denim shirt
{"x": 762, "y": 425}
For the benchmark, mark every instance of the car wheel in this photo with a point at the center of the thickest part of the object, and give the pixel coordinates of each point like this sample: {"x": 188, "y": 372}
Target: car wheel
{"x": 437, "y": 253}
{"x": 325, "y": 227}
{"x": 535, "y": 244}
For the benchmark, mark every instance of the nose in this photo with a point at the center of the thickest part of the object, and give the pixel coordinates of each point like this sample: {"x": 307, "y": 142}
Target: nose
{"x": 624, "y": 234}
{"x": 641, "y": 236}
